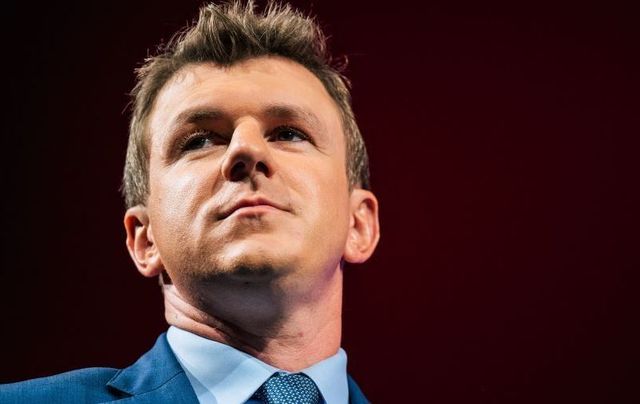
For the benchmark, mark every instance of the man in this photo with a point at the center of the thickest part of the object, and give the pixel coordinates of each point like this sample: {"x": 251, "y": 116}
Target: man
{"x": 246, "y": 183}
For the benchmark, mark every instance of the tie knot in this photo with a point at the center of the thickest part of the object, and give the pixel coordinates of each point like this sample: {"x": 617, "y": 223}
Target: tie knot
{"x": 295, "y": 388}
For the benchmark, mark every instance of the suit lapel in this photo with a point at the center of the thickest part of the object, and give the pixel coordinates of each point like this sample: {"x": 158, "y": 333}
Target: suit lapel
{"x": 156, "y": 377}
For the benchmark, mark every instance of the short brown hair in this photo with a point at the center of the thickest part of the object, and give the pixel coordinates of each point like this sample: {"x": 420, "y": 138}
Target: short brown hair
{"x": 226, "y": 34}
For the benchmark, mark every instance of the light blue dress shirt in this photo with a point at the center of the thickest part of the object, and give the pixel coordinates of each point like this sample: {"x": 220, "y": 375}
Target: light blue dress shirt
{"x": 220, "y": 374}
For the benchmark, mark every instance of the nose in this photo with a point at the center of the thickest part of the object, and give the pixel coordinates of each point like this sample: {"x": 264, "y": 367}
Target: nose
{"x": 248, "y": 154}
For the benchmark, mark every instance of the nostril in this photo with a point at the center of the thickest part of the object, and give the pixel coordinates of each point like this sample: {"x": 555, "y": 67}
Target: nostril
{"x": 262, "y": 167}
{"x": 238, "y": 171}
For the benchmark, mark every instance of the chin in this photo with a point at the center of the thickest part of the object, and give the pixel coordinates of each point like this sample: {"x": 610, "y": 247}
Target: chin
{"x": 249, "y": 261}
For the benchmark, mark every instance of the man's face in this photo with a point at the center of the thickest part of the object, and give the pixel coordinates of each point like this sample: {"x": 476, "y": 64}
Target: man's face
{"x": 247, "y": 174}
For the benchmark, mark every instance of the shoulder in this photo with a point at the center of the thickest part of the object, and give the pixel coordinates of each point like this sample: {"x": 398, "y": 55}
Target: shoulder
{"x": 82, "y": 385}
{"x": 156, "y": 377}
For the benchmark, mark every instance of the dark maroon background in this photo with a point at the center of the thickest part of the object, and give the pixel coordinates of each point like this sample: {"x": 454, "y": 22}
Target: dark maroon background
{"x": 504, "y": 148}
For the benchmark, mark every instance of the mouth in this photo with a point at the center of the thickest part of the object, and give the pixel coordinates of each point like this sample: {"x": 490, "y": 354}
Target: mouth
{"x": 251, "y": 206}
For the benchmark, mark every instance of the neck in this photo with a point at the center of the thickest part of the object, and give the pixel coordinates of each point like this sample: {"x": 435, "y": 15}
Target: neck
{"x": 286, "y": 332}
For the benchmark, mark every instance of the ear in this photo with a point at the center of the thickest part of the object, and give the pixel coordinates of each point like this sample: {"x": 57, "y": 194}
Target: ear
{"x": 140, "y": 243}
{"x": 364, "y": 229}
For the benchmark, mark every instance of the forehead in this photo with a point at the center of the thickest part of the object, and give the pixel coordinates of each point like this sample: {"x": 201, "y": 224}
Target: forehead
{"x": 244, "y": 88}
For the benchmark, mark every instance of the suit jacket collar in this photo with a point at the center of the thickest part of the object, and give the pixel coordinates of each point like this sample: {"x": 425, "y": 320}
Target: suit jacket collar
{"x": 355, "y": 394}
{"x": 157, "y": 377}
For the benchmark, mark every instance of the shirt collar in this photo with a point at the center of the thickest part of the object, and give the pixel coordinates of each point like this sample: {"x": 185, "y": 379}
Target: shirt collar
{"x": 222, "y": 374}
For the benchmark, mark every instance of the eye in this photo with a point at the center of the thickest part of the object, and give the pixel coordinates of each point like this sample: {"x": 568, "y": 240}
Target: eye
{"x": 200, "y": 140}
{"x": 288, "y": 134}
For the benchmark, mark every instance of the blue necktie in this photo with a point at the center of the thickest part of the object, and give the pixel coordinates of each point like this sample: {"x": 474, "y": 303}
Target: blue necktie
{"x": 282, "y": 388}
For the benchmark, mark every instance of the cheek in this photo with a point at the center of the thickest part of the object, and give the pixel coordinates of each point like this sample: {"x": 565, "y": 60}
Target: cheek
{"x": 326, "y": 196}
{"x": 175, "y": 197}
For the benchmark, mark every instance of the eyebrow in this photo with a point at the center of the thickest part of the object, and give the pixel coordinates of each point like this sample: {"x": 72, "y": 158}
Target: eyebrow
{"x": 280, "y": 111}
{"x": 293, "y": 112}
{"x": 198, "y": 114}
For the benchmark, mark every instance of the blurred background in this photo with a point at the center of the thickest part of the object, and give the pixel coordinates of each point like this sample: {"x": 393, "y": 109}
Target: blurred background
{"x": 503, "y": 140}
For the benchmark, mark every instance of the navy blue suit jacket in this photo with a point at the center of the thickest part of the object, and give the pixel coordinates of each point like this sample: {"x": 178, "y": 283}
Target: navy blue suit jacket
{"x": 156, "y": 377}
